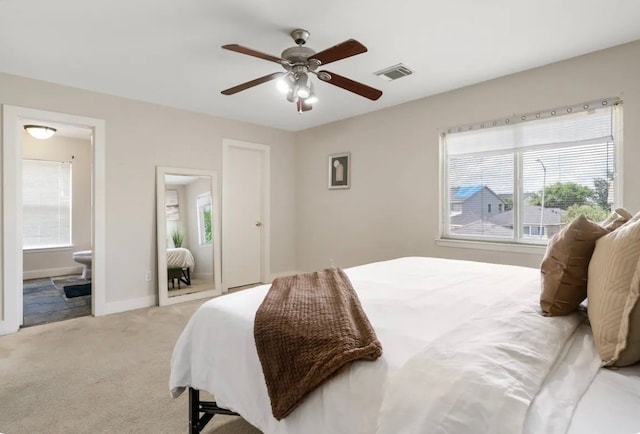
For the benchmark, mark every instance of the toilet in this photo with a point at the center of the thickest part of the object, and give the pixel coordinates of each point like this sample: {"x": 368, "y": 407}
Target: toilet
{"x": 84, "y": 257}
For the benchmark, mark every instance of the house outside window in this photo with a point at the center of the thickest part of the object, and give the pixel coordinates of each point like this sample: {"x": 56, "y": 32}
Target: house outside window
{"x": 46, "y": 204}
{"x": 536, "y": 172}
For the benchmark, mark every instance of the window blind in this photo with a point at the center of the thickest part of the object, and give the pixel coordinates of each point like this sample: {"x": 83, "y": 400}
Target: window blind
{"x": 586, "y": 127}
{"x": 525, "y": 177}
{"x": 46, "y": 204}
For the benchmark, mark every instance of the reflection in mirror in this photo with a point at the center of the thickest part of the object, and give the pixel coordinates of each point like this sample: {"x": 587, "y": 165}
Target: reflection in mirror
{"x": 188, "y": 241}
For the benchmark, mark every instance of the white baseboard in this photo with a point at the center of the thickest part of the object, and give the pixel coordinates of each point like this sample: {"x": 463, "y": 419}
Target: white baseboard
{"x": 133, "y": 304}
{"x": 51, "y": 272}
{"x": 282, "y": 274}
{"x": 5, "y": 329}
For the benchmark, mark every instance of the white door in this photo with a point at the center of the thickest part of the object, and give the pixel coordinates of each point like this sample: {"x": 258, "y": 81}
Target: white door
{"x": 243, "y": 214}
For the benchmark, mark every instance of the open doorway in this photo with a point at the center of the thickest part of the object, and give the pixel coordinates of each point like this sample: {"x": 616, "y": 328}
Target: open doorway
{"x": 56, "y": 221}
{"x": 14, "y": 119}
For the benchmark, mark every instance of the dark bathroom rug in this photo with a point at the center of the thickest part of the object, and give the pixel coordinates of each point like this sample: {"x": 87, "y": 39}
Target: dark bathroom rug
{"x": 71, "y": 291}
{"x": 61, "y": 281}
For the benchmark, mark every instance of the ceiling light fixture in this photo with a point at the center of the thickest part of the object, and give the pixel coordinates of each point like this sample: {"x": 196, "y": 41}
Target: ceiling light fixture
{"x": 304, "y": 89}
{"x": 312, "y": 98}
{"x": 39, "y": 131}
{"x": 299, "y": 62}
{"x": 285, "y": 83}
{"x": 298, "y": 87}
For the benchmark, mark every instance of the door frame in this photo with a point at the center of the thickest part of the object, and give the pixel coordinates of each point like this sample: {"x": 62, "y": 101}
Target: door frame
{"x": 265, "y": 152}
{"x": 12, "y": 289}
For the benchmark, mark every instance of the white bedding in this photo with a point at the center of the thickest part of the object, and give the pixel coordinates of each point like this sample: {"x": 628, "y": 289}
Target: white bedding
{"x": 438, "y": 320}
{"x": 611, "y": 404}
{"x": 180, "y": 258}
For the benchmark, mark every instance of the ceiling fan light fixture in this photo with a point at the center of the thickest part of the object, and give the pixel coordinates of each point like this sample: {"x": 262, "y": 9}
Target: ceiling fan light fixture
{"x": 291, "y": 94}
{"x": 283, "y": 85}
{"x": 40, "y": 131}
{"x": 298, "y": 62}
{"x": 312, "y": 98}
{"x": 303, "y": 86}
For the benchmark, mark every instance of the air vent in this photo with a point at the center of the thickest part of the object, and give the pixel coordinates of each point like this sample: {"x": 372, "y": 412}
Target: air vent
{"x": 394, "y": 72}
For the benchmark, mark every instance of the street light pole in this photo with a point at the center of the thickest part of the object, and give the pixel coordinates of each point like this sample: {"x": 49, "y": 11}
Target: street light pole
{"x": 544, "y": 184}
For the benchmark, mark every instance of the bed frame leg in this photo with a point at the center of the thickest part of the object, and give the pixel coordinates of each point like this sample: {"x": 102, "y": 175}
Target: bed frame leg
{"x": 209, "y": 408}
{"x": 194, "y": 411}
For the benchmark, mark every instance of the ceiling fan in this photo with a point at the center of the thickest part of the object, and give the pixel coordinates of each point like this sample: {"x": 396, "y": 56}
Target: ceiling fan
{"x": 298, "y": 63}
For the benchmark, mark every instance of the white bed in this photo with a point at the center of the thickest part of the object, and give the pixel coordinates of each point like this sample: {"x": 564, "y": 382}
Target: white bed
{"x": 179, "y": 257}
{"x": 465, "y": 350}
{"x": 180, "y": 263}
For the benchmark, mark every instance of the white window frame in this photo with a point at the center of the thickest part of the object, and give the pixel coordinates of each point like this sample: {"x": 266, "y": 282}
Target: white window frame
{"x": 59, "y": 246}
{"x": 201, "y": 204}
{"x": 517, "y": 245}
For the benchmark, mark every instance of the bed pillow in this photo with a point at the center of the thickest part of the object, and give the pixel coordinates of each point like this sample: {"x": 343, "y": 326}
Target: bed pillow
{"x": 616, "y": 219}
{"x": 614, "y": 291}
{"x": 565, "y": 266}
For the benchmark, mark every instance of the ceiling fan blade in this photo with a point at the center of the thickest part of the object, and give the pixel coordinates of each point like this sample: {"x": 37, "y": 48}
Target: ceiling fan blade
{"x": 260, "y": 55}
{"x": 252, "y": 83}
{"x": 350, "y": 85}
{"x": 302, "y": 106}
{"x": 348, "y": 48}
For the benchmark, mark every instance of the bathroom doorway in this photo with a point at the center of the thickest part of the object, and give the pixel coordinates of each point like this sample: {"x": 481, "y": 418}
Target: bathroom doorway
{"x": 12, "y": 292}
{"x": 56, "y": 221}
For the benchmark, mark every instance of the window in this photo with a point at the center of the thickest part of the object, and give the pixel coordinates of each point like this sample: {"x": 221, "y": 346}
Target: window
{"x": 204, "y": 218}
{"x": 46, "y": 204}
{"x": 541, "y": 170}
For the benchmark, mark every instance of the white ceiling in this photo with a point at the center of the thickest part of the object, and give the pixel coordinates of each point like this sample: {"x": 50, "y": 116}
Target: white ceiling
{"x": 180, "y": 179}
{"x": 63, "y": 130}
{"x": 168, "y": 51}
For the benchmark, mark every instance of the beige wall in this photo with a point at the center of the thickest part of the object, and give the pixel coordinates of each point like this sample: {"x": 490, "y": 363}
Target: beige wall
{"x": 139, "y": 137}
{"x": 392, "y": 207}
{"x": 78, "y": 151}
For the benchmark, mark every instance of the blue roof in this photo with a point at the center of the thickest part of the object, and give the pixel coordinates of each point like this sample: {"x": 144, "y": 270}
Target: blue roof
{"x": 466, "y": 192}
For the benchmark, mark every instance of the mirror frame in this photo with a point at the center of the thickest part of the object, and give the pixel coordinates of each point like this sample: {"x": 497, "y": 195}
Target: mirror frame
{"x": 161, "y": 229}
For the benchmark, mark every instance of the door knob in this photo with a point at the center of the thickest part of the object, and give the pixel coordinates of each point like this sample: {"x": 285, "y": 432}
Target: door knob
{"x": 258, "y": 224}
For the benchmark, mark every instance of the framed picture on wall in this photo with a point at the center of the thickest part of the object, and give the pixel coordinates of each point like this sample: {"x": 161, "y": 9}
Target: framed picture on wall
{"x": 339, "y": 170}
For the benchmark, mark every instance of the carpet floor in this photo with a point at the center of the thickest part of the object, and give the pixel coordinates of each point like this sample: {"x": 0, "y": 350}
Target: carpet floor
{"x": 99, "y": 375}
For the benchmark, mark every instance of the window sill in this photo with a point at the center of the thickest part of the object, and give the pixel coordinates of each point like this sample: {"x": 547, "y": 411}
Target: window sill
{"x": 494, "y": 246}
{"x": 48, "y": 249}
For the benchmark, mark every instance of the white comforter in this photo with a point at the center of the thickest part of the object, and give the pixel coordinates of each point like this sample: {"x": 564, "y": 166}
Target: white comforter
{"x": 464, "y": 350}
{"x": 180, "y": 257}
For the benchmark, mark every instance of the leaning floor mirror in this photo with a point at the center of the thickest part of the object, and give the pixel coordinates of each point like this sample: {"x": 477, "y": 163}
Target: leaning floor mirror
{"x": 188, "y": 222}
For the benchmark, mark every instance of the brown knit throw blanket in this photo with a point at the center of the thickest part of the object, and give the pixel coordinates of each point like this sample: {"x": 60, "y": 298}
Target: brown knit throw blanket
{"x": 308, "y": 328}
